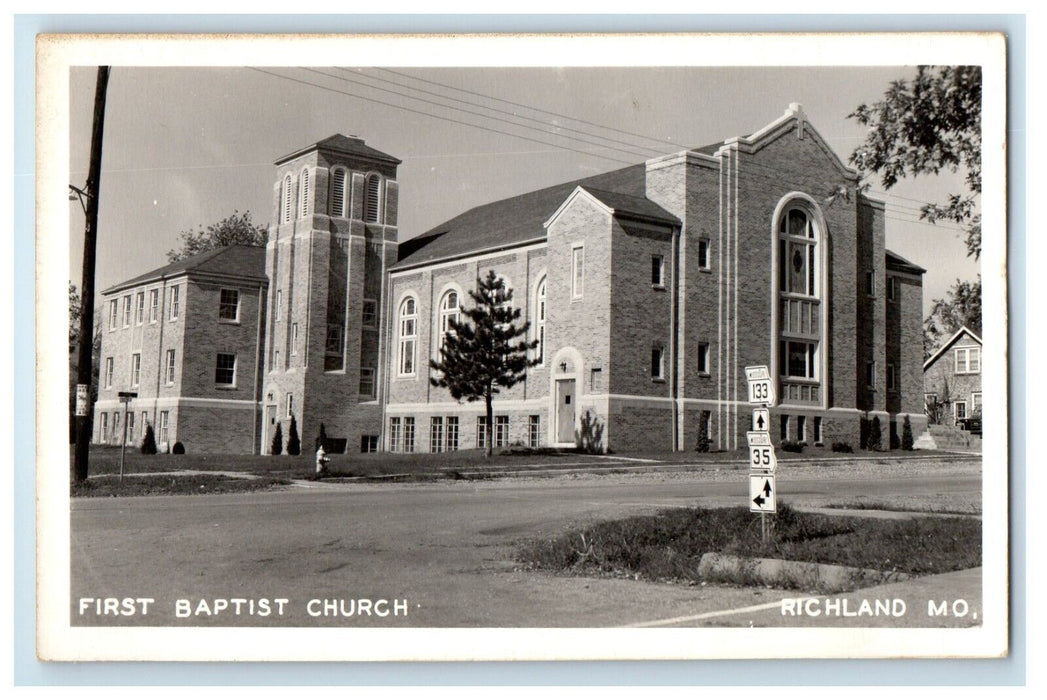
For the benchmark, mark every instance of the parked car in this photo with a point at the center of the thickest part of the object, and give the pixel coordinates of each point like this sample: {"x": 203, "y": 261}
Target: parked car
{"x": 972, "y": 424}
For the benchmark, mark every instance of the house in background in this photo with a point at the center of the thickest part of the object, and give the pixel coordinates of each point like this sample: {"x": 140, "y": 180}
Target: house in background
{"x": 952, "y": 379}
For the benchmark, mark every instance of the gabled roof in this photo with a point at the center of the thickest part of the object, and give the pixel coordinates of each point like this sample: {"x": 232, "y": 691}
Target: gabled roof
{"x": 234, "y": 261}
{"x": 897, "y": 262}
{"x": 344, "y": 145}
{"x": 949, "y": 343}
{"x": 625, "y": 206}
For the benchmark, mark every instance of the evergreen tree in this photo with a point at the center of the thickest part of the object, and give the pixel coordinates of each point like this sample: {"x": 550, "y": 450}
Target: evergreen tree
{"x": 486, "y": 351}
{"x": 907, "y": 440}
{"x": 875, "y": 436}
{"x": 149, "y": 441}
{"x": 278, "y": 440}
{"x": 321, "y": 438}
{"x": 294, "y": 445}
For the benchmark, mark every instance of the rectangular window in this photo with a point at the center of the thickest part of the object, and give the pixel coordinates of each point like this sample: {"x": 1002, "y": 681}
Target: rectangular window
{"x": 704, "y": 258}
{"x": 367, "y": 384}
{"x": 481, "y": 432}
{"x": 176, "y": 302}
{"x": 154, "y": 305}
{"x": 960, "y": 408}
{"x": 169, "y": 368}
{"x": 657, "y": 271}
{"x": 801, "y": 428}
{"x": 136, "y": 368}
{"x": 279, "y": 303}
{"x": 595, "y": 375}
{"x": 534, "y": 431}
{"x": 870, "y": 283}
{"x": 112, "y": 315}
{"x": 394, "y": 434}
{"x": 145, "y": 421}
{"x": 229, "y": 305}
{"x": 892, "y": 288}
{"x": 577, "y": 272}
{"x": 436, "y": 434}
{"x": 104, "y": 429}
{"x": 370, "y": 313}
{"x": 785, "y": 427}
{"x": 407, "y": 357}
{"x": 968, "y": 360}
{"x": 334, "y": 343}
{"x": 294, "y": 338}
{"x": 368, "y": 443}
{"x": 976, "y": 402}
{"x": 163, "y": 427}
{"x": 290, "y": 405}
{"x": 657, "y": 362}
{"x": 139, "y": 308}
{"x": 116, "y": 428}
{"x": 409, "y": 434}
{"x": 798, "y": 359}
{"x": 225, "y": 369}
{"x": 276, "y": 359}
{"x": 452, "y": 433}
{"x": 127, "y": 311}
{"x": 501, "y": 431}
{"x": 130, "y": 421}
{"x": 703, "y": 358}
{"x": 892, "y": 380}
{"x": 870, "y": 374}
{"x": 108, "y": 373}
{"x": 817, "y": 429}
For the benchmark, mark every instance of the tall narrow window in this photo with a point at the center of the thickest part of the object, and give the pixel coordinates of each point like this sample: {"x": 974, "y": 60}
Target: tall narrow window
{"x": 279, "y": 303}
{"x": 294, "y": 338}
{"x": 657, "y": 271}
{"x": 817, "y": 429}
{"x": 225, "y": 369}
{"x": 534, "y": 430}
{"x": 229, "y": 305}
{"x": 394, "y": 434}
{"x": 369, "y": 313}
{"x": 539, "y": 321}
{"x": 129, "y": 421}
{"x": 103, "y": 431}
{"x": 436, "y": 434}
{"x": 112, "y": 315}
{"x": 481, "y": 432}
{"x": 796, "y": 259}
{"x": 338, "y": 192}
{"x": 116, "y": 427}
{"x": 163, "y": 427}
{"x": 108, "y": 373}
{"x": 703, "y": 359}
{"x": 290, "y": 405}
{"x": 577, "y": 272}
{"x": 704, "y": 259}
{"x": 800, "y": 312}
{"x": 657, "y": 362}
{"x": 452, "y": 433}
{"x": 154, "y": 305}
{"x": 449, "y": 312}
{"x": 372, "y": 193}
{"x": 127, "y": 311}
{"x": 139, "y": 308}
{"x": 409, "y": 434}
{"x": 501, "y": 431}
{"x": 169, "y": 368}
{"x": 408, "y": 335}
{"x": 892, "y": 379}
{"x": 801, "y": 428}
{"x": 333, "y": 347}
{"x": 303, "y": 193}
{"x": 176, "y": 302}
{"x": 367, "y": 382}
{"x": 136, "y": 368}
{"x": 286, "y": 215}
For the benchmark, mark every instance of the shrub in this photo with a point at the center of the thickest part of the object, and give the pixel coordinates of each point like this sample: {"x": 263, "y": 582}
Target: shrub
{"x": 895, "y": 440}
{"x": 703, "y": 432}
{"x": 149, "y": 441}
{"x": 875, "y": 437}
{"x": 790, "y": 446}
{"x": 842, "y": 447}
{"x": 321, "y": 438}
{"x": 178, "y": 449}
{"x": 294, "y": 445}
{"x": 907, "y": 434}
{"x": 278, "y": 440}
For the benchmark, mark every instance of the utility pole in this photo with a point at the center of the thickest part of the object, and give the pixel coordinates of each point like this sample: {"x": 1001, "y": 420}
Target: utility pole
{"x": 87, "y": 281}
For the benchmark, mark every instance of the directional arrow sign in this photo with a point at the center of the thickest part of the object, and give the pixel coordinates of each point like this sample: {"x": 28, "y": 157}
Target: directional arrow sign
{"x": 761, "y": 457}
{"x": 761, "y": 387}
{"x": 761, "y": 420}
{"x": 762, "y": 494}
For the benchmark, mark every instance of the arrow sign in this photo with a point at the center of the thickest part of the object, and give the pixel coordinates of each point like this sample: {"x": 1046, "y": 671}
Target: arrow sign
{"x": 761, "y": 420}
{"x": 762, "y": 494}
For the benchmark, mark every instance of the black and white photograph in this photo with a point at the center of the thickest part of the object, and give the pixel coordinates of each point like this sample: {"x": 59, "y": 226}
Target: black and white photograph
{"x": 522, "y": 348}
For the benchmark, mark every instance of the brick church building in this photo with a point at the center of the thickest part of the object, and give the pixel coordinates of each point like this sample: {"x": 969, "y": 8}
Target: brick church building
{"x": 649, "y": 289}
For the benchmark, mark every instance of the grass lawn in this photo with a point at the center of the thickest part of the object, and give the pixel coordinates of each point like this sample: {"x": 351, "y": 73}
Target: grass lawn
{"x": 670, "y": 544}
{"x": 163, "y": 485}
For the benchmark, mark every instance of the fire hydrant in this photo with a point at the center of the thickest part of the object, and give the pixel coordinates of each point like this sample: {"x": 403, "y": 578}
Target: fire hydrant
{"x": 321, "y": 461}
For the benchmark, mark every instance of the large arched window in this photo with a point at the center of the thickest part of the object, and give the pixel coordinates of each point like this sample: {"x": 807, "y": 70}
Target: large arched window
{"x": 372, "y": 198}
{"x": 408, "y": 318}
{"x": 800, "y": 310}
{"x": 797, "y": 253}
{"x": 539, "y": 320}
{"x": 450, "y": 310}
{"x": 287, "y": 200}
{"x": 303, "y": 193}
{"x": 338, "y": 179}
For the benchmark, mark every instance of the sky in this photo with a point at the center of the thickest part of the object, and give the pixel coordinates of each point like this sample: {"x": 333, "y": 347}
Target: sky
{"x": 185, "y": 147}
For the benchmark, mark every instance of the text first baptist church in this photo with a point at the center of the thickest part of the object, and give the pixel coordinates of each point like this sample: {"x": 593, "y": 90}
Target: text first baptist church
{"x": 649, "y": 289}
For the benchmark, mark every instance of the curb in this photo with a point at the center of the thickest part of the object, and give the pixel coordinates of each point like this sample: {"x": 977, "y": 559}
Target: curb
{"x": 782, "y": 573}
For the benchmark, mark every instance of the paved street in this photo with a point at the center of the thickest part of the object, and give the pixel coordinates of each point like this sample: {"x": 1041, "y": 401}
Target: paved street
{"x": 440, "y": 554}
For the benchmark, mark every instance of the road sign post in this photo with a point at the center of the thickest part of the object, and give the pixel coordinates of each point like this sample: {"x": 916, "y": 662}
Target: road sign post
{"x": 762, "y": 460}
{"x": 125, "y": 398}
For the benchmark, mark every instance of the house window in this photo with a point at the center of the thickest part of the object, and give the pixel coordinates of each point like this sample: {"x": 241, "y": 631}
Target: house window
{"x": 539, "y": 321}
{"x": 112, "y": 315}
{"x": 394, "y": 435}
{"x": 481, "y": 432}
{"x": 127, "y": 311}
{"x": 279, "y": 303}
{"x": 801, "y": 428}
{"x": 968, "y": 360}
{"x": 286, "y": 217}
{"x": 657, "y": 363}
{"x": 136, "y": 368}
{"x": 290, "y": 405}
{"x": 658, "y": 271}
{"x": 303, "y": 193}
{"x": 175, "y": 302}
{"x": 449, "y": 312}
{"x": 452, "y": 433}
{"x": 370, "y": 313}
{"x": 169, "y": 368}
{"x": 534, "y": 431}
{"x": 797, "y": 259}
{"x": 225, "y": 369}
{"x": 870, "y": 374}
{"x": 408, "y": 336}
{"x": 892, "y": 379}
{"x": 294, "y": 338}
{"x": 409, "y": 434}
{"x": 104, "y": 429}
{"x": 139, "y": 308}
{"x": 594, "y": 378}
{"x": 333, "y": 347}
{"x": 703, "y": 359}
{"x": 367, "y": 382}
{"x": 798, "y": 359}
{"x": 436, "y": 434}
{"x": 501, "y": 431}
{"x": 976, "y": 402}
{"x": 229, "y": 305}
{"x": 959, "y": 409}
{"x": 817, "y": 429}
{"x": 154, "y": 305}
{"x": 129, "y": 421}
{"x": 145, "y": 421}
{"x": 577, "y": 272}
{"x": 372, "y": 193}
{"x": 108, "y": 373}
{"x": 704, "y": 259}
{"x": 163, "y": 427}
{"x": 338, "y": 192}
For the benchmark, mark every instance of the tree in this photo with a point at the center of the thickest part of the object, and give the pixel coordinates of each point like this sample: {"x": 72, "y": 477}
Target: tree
{"x": 907, "y": 440}
{"x": 321, "y": 437}
{"x": 75, "y": 309}
{"x": 294, "y": 444}
{"x": 962, "y": 306}
{"x": 149, "y": 441}
{"x": 924, "y": 126}
{"x": 277, "y": 446}
{"x": 875, "y": 435}
{"x": 237, "y": 229}
{"x": 485, "y": 352}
